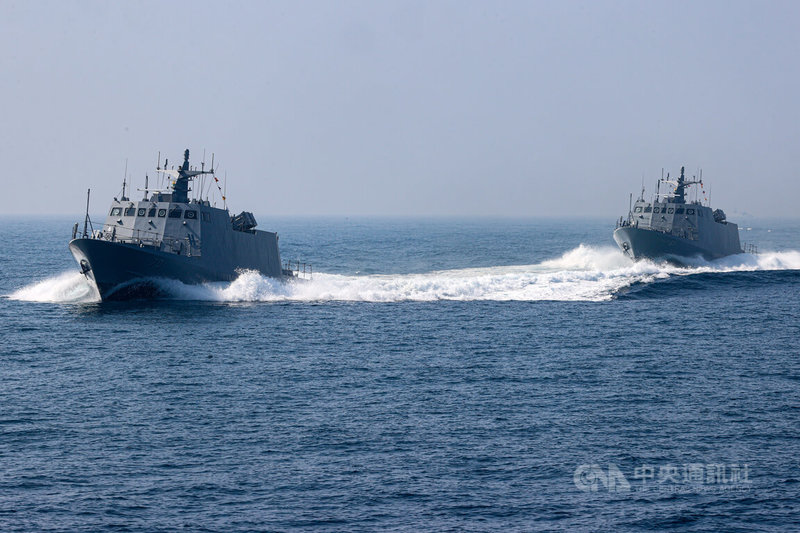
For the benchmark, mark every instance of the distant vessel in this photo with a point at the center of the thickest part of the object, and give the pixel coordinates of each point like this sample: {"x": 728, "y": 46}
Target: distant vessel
{"x": 671, "y": 229}
{"x": 169, "y": 235}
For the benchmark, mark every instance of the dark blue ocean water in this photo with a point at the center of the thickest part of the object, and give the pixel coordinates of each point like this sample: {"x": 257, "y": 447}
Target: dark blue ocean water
{"x": 436, "y": 375}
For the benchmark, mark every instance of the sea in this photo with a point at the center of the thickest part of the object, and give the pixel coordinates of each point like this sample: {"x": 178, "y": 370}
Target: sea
{"x": 434, "y": 374}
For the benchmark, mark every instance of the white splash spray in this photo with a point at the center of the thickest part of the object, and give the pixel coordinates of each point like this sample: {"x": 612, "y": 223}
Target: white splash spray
{"x": 69, "y": 287}
{"x": 584, "y": 273}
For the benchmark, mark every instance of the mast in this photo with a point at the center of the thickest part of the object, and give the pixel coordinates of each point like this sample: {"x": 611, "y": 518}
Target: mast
{"x": 124, "y": 181}
{"x": 86, "y": 218}
{"x": 180, "y": 189}
{"x": 680, "y": 189}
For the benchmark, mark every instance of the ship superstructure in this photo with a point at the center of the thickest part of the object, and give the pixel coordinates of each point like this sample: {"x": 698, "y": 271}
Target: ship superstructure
{"x": 674, "y": 229}
{"x": 168, "y": 235}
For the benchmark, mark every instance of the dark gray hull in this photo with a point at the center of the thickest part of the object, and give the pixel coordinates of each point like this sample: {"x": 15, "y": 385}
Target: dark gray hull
{"x": 122, "y": 270}
{"x": 670, "y": 228}
{"x": 638, "y": 243}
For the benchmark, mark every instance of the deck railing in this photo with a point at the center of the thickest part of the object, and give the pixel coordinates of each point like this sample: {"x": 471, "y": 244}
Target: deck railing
{"x": 684, "y": 232}
{"x": 749, "y": 248}
{"x": 297, "y": 269}
{"x": 181, "y": 246}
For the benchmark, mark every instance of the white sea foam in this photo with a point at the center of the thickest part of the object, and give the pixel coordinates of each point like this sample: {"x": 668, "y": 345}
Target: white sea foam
{"x": 585, "y": 273}
{"x": 68, "y": 287}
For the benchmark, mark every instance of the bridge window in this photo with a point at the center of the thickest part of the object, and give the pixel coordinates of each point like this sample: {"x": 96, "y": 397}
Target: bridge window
{"x": 648, "y": 209}
{"x": 190, "y": 214}
{"x": 206, "y": 217}
{"x": 130, "y": 211}
{"x": 116, "y": 211}
{"x": 671, "y": 210}
{"x": 162, "y": 213}
{"x": 152, "y": 212}
{"x": 141, "y": 212}
{"x": 175, "y": 213}
{"x": 679, "y": 211}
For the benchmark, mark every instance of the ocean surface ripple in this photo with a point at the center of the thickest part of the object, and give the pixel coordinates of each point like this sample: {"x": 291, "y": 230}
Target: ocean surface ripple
{"x": 434, "y": 375}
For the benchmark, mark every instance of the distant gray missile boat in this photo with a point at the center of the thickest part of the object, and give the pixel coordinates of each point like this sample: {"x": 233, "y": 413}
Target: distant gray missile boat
{"x": 169, "y": 235}
{"x": 671, "y": 229}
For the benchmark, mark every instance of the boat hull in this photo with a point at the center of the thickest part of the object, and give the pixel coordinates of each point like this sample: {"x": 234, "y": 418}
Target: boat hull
{"x": 126, "y": 270}
{"x": 638, "y": 243}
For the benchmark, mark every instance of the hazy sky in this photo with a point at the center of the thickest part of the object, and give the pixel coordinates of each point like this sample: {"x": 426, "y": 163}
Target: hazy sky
{"x": 394, "y": 108}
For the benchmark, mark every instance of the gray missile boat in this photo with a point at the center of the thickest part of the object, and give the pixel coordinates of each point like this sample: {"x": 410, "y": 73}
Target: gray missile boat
{"x": 674, "y": 230}
{"x": 168, "y": 235}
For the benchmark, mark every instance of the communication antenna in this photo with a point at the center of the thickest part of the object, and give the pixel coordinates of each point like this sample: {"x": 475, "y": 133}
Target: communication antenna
{"x": 211, "y": 182}
{"x": 124, "y": 178}
{"x": 212, "y": 175}
{"x": 146, "y": 179}
{"x": 202, "y": 176}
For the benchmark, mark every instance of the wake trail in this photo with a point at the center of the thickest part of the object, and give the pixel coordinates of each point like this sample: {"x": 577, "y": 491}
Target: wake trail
{"x": 585, "y": 273}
